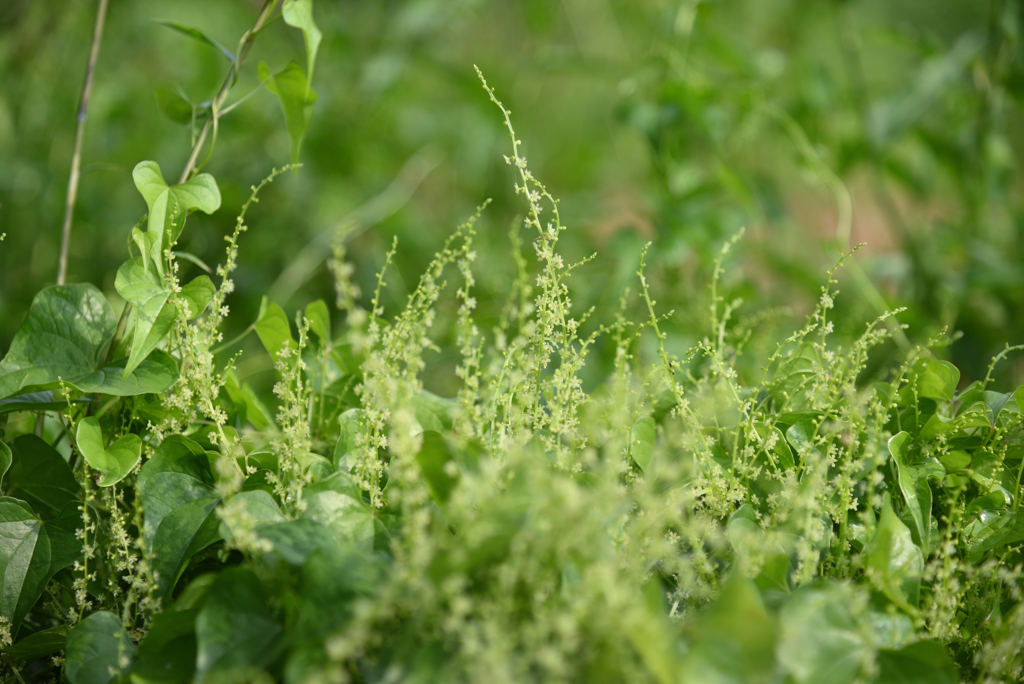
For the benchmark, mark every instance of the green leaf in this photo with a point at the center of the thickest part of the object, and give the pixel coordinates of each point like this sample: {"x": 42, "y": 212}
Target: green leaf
{"x": 735, "y": 636}
{"x": 155, "y": 374}
{"x": 780, "y": 452}
{"x": 273, "y": 328}
{"x": 66, "y": 327}
{"x": 433, "y": 412}
{"x": 235, "y": 631}
{"x": 319, "y": 320}
{"x": 819, "y": 642}
{"x": 433, "y": 458}
{"x": 154, "y": 315}
{"x": 197, "y": 35}
{"x": 115, "y": 461}
{"x": 24, "y": 560}
{"x": 936, "y": 379}
{"x": 642, "y": 438}
{"x": 337, "y": 503}
{"x": 913, "y": 482}
{"x": 299, "y": 13}
{"x": 41, "y": 476}
{"x": 33, "y": 401}
{"x": 333, "y": 577}
{"x": 176, "y": 488}
{"x": 296, "y": 98}
{"x": 923, "y": 662}
{"x": 249, "y": 509}
{"x": 174, "y": 104}
{"x": 168, "y": 207}
{"x": 6, "y": 457}
{"x": 349, "y": 421}
{"x": 31, "y": 552}
{"x": 895, "y": 558}
{"x": 184, "y": 531}
{"x": 292, "y": 541}
{"x": 197, "y": 295}
{"x": 95, "y": 648}
{"x": 168, "y": 653}
{"x": 39, "y": 645}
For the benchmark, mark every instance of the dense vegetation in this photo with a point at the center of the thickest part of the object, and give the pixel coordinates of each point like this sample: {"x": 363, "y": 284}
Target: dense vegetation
{"x": 627, "y": 443}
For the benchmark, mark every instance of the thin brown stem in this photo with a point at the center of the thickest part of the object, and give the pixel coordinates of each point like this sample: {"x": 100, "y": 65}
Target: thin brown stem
{"x": 218, "y": 101}
{"x": 76, "y": 157}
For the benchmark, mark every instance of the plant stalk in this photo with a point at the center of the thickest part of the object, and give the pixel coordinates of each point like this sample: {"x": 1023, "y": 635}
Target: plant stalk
{"x": 76, "y": 157}
{"x": 243, "y": 50}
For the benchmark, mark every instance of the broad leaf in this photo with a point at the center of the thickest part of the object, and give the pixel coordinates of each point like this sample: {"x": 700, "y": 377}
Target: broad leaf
{"x": 155, "y": 374}
{"x": 319, "y": 320}
{"x": 183, "y": 532}
{"x": 819, "y": 642}
{"x": 173, "y": 103}
{"x": 923, "y": 662}
{"x": 735, "y": 637}
{"x": 296, "y": 98}
{"x": 154, "y": 315}
{"x": 178, "y": 498}
{"x": 913, "y": 481}
{"x": 41, "y": 477}
{"x": 236, "y": 633}
{"x": 936, "y": 379}
{"x": 115, "y": 461}
{"x": 6, "y": 457}
{"x": 39, "y": 645}
{"x": 31, "y": 552}
{"x": 894, "y": 557}
{"x": 299, "y": 13}
{"x": 168, "y": 207}
{"x": 95, "y": 649}
{"x": 66, "y": 327}
{"x": 292, "y": 541}
{"x": 24, "y": 560}
{"x": 33, "y": 401}
{"x": 349, "y": 421}
{"x": 642, "y": 438}
{"x": 168, "y": 653}
{"x": 337, "y": 504}
{"x": 197, "y": 295}
{"x": 273, "y": 328}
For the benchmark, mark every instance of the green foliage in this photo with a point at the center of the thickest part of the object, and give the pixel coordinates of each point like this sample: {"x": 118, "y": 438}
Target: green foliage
{"x": 593, "y": 493}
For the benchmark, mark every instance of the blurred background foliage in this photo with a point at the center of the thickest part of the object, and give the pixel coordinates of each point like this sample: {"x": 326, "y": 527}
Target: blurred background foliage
{"x": 674, "y": 122}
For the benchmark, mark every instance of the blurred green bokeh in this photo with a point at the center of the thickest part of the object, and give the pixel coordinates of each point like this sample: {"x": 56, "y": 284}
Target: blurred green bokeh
{"x": 676, "y": 122}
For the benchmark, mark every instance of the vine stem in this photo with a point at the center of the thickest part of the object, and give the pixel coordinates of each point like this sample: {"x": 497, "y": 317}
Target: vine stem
{"x": 76, "y": 157}
{"x": 244, "y": 44}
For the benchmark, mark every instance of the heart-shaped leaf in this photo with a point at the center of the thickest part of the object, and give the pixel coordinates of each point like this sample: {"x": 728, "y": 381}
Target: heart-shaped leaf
{"x": 31, "y": 552}
{"x": 176, "y": 488}
{"x": 168, "y": 207}
{"x": 173, "y": 103}
{"x": 96, "y": 648}
{"x": 197, "y": 295}
{"x": 895, "y": 558}
{"x": 319, "y": 320}
{"x": 66, "y": 327}
{"x": 154, "y": 315}
{"x": 115, "y": 461}
{"x": 235, "y": 630}
{"x": 41, "y": 477}
{"x": 273, "y": 328}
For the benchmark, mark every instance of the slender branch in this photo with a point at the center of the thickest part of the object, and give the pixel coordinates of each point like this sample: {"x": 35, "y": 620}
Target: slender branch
{"x": 243, "y": 50}
{"x": 76, "y": 157}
